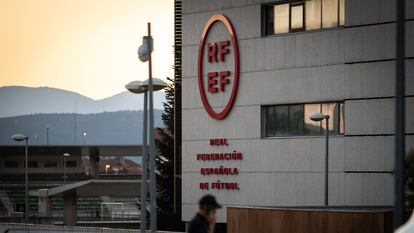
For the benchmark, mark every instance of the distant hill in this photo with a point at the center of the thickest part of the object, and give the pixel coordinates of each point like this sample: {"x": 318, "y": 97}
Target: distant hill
{"x": 17, "y": 100}
{"x": 123, "y": 127}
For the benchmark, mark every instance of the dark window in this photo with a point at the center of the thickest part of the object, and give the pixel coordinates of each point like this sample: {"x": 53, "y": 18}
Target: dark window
{"x": 71, "y": 163}
{"x": 293, "y": 120}
{"x": 32, "y": 164}
{"x": 300, "y": 15}
{"x": 11, "y": 164}
{"x": 50, "y": 164}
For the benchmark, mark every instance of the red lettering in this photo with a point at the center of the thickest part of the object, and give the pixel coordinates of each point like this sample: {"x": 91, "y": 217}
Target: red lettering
{"x": 223, "y": 49}
{"x": 212, "y": 82}
{"x": 223, "y": 80}
{"x": 212, "y": 52}
{"x": 219, "y": 141}
{"x": 204, "y": 186}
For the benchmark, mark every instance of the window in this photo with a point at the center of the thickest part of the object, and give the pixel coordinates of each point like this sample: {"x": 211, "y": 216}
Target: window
{"x": 293, "y": 120}
{"x": 71, "y": 163}
{"x": 281, "y": 21}
{"x": 300, "y": 15}
{"x": 31, "y": 164}
{"x": 11, "y": 164}
{"x": 297, "y": 17}
{"x": 49, "y": 164}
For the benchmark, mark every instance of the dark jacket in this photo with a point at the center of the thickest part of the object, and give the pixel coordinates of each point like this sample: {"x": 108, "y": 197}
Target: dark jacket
{"x": 199, "y": 224}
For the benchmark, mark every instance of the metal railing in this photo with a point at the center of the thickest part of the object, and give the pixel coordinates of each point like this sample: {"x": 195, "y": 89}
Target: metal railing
{"x": 26, "y": 228}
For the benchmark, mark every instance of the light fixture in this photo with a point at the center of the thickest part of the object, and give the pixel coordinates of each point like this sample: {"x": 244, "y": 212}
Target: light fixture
{"x": 19, "y": 137}
{"x": 317, "y": 116}
{"x": 145, "y": 49}
{"x": 158, "y": 84}
{"x": 135, "y": 87}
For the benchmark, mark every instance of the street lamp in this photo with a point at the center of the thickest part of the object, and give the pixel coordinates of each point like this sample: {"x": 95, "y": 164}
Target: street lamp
{"x": 138, "y": 87}
{"x": 84, "y": 138}
{"x": 144, "y": 54}
{"x": 19, "y": 138}
{"x": 47, "y": 134}
{"x": 65, "y": 156}
{"x": 317, "y": 117}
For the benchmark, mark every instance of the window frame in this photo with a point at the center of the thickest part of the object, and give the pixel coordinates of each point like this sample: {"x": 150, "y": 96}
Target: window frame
{"x": 264, "y": 119}
{"x": 265, "y": 31}
{"x": 295, "y": 4}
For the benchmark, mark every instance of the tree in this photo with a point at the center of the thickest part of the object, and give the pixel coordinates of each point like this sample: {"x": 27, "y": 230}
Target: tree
{"x": 167, "y": 219}
{"x": 409, "y": 176}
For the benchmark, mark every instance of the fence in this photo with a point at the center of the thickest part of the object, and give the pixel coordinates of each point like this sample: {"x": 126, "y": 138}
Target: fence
{"x": 33, "y": 228}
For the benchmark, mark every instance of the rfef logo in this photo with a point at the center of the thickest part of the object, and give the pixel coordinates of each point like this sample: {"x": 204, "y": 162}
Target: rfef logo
{"x": 218, "y": 77}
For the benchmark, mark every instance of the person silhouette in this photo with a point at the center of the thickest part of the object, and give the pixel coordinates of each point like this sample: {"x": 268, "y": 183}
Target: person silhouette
{"x": 205, "y": 219}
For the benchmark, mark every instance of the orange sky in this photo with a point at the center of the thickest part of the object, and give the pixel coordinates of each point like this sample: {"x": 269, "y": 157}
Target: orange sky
{"x": 86, "y": 46}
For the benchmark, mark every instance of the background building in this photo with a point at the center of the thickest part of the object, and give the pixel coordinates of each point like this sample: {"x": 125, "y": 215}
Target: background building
{"x": 295, "y": 58}
{"x": 102, "y": 183}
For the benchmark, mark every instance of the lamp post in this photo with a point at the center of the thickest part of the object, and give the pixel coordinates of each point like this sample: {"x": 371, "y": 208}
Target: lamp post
{"x": 317, "y": 117}
{"x": 399, "y": 139}
{"x": 47, "y": 134}
{"x": 19, "y": 138}
{"x": 135, "y": 87}
{"x": 138, "y": 87}
{"x": 148, "y": 43}
{"x": 65, "y": 156}
{"x": 144, "y": 54}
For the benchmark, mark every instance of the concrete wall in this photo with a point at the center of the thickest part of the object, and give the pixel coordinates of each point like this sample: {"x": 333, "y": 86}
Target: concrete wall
{"x": 353, "y": 64}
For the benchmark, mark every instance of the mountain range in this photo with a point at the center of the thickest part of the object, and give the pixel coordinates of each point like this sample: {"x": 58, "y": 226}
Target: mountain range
{"x": 18, "y": 100}
{"x": 111, "y": 121}
{"x": 106, "y": 128}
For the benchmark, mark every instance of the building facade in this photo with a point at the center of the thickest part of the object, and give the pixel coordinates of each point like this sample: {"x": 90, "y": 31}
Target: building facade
{"x": 254, "y": 71}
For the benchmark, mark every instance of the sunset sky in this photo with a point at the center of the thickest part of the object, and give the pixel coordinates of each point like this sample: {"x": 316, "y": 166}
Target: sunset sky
{"x": 85, "y": 46}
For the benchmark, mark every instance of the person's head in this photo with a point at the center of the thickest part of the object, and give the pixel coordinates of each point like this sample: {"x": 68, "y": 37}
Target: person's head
{"x": 208, "y": 206}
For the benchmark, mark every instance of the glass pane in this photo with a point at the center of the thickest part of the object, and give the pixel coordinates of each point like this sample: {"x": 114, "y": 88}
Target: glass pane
{"x": 341, "y": 118}
{"x": 312, "y": 127}
{"x": 269, "y": 18}
{"x": 71, "y": 163}
{"x": 270, "y": 118}
{"x": 11, "y": 164}
{"x": 313, "y": 14}
{"x": 341, "y": 12}
{"x": 282, "y": 120}
{"x": 331, "y": 109}
{"x": 50, "y": 164}
{"x": 296, "y": 17}
{"x": 281, "y": 18}
{"x": 329, "y": 13}
{"x": 296, "y": 120}
{"x": 32, "y": 164}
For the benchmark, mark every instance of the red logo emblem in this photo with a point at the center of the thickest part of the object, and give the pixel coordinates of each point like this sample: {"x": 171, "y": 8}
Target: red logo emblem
{"x": 218, "y": 80}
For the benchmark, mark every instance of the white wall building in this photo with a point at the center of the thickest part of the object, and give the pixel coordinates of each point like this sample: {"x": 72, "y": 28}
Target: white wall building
{"x": 295, "y": 58}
